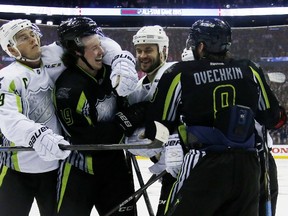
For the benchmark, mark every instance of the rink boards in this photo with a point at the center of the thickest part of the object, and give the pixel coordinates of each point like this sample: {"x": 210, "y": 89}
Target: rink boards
{"x": 280, "y": 151}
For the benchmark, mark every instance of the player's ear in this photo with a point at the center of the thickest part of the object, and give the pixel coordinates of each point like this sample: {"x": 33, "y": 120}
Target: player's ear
{"x": 13, "y": 51}
{"x": 200, "y": 49}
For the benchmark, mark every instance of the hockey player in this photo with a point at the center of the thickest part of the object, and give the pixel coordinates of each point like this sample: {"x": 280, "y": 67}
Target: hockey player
{"x": 28, "y": 119}
{"x": 152, "y": 44}
{"x": 28, "y": 116}
{"x": 187, "y": 55}
{"x": 220, "y": 173}
{"x": 89, "y": 111}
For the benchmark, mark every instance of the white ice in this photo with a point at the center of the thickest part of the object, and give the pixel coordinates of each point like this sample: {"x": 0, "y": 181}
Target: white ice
{"x": 154, "y": 189}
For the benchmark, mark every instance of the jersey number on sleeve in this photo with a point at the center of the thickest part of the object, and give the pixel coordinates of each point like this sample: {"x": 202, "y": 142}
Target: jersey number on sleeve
{"x": 67, "y": 116}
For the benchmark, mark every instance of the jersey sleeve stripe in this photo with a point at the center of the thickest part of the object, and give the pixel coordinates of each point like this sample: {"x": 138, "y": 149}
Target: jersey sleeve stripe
{"x": 81, "y": 105}
{"x": 264, "y": 93}
{"x": 169, "y": 96}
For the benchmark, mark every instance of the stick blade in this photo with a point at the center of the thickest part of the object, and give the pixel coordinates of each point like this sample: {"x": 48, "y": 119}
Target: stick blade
{"x": 277, "y": 77}
{"x": 162, "y": 133}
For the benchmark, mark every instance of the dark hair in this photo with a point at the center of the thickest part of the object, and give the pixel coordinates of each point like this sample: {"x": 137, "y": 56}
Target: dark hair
{"x": 71, "y": 32}
{"x": 69, "y": 59}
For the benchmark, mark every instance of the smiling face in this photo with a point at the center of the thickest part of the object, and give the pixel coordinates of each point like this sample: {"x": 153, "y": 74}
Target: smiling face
{"x": 148, "y": 57}
{"x": 93, "y": 53}
{"x": 27, "y": 43}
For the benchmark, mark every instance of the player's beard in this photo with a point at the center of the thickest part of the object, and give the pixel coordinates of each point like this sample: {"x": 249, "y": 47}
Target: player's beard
{"x": 154, "y": 66}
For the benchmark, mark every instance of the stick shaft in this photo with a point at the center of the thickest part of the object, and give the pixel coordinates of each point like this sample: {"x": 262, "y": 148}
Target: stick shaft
{"x": 139, "y": 191}
{"x": 141, "y": 183}
{"x": 268, "y": 205}
{"x": 92, "y": 147}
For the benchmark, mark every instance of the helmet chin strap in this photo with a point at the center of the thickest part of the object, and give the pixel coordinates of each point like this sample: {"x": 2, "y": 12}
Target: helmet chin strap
{"x": 20, "y": 58}
{"x": 86, "y": 62}
{"x": 164, "y": 58}
{"x": 155, "y": 70}
{"x": 23, "y": 58}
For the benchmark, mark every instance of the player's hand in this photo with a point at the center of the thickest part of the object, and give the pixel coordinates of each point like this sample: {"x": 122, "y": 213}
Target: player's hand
{"x": 132, "y": 117}
{"x": 173, "y": 155}
{"x": 124, "y": 76}
{"x": 45, "y": 143}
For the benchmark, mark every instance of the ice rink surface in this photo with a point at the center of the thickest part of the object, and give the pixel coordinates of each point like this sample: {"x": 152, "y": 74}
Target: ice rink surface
{"x": 154, "y": 189}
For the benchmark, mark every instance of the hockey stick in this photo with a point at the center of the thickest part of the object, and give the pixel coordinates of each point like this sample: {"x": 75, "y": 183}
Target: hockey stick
{"x": 161, "y": 137}
{"x": 132, "y": 182}
{"x": 153, "y": 179}
{"x": 268, "y": 205}
{"x": 141, "y": 183}
{"x": 139, "y": 195}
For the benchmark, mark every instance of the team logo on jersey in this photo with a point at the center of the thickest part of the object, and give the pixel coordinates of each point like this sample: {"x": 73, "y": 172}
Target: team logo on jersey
{"x": 106, "y": 108}
{"x": 39, "y": 106}
{"x": 63, "y": 93}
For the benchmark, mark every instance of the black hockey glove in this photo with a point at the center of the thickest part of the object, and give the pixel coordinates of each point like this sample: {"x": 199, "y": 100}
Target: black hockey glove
{"x": 132, "y": 117}
{"x": 150, "y": 130}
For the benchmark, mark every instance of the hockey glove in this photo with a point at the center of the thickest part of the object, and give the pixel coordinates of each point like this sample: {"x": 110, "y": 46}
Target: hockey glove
{"x": 173, "y": 155}
{"x": 138, "y": 137}
{"x": 111, "y": 48}
{"x": 45, "y": 143}
{"x": 132, "y": 117}
{"x": 159, "y": 166}
{"x": 124, "y": 76}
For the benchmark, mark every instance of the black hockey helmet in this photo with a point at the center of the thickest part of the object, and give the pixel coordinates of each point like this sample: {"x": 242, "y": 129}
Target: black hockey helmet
{"x": 214, "y": 33}
{"x": 73, "y": 29}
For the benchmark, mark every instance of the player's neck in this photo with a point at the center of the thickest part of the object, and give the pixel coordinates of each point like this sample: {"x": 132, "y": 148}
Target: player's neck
{"x": 151, "y": 76}
{"x": 33, "y": 64}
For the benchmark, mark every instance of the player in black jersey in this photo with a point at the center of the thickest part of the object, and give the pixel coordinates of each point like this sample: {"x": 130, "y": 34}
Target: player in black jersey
{"x": 89, "y": 110}
{"x": 218, "y": 100}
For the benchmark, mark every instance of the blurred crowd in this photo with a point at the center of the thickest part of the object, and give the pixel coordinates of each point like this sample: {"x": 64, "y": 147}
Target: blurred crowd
{"x": 154, "y": 3}
{"x": 263, "y": 45}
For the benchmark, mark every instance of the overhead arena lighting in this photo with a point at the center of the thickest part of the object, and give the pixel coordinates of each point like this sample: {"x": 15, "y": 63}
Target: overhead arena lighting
{"x": 50, "y": 11}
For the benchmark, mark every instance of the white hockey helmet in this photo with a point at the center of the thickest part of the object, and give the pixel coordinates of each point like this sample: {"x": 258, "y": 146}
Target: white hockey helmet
{"x": 10, "y": 29}
{"x": 153, "y": 35}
